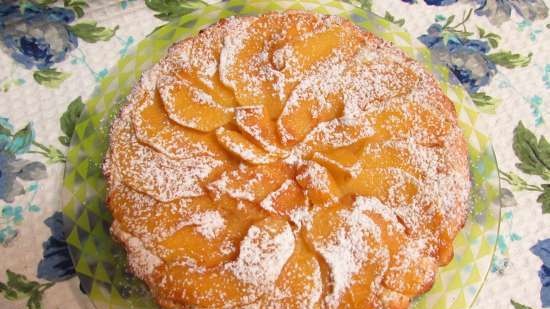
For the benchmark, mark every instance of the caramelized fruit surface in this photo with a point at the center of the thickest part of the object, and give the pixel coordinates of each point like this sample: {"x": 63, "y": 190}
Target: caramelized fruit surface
{"x": 289, "y": 160}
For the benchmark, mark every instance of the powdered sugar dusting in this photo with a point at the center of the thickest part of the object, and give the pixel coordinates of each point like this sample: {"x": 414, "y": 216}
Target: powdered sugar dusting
{"x": 317, "y": 177}
{"x": 361, "y": 140}
{"x": 170, "y": 137}
{"x": 161, "y": 177}
{"x": 347, "y": 250}
{"x": 141, "y": 260}
{"x": 263, "y": 253}
{"x": 246, "y": 150}
{"x": 374, "y": 205}
{"x": 339, "y": 132}
{"x": 232, "y": 44}
{"x": 267, "y": 203}
{"x": 209, "y": 223}
{"x": 248, "y": 119}
{"x": 246, "y": 192}
{"x": 302, "y": 217}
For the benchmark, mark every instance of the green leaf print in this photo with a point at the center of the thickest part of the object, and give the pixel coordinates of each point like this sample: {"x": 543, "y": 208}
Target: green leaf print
{"x": 68, "y": 120}
{"x": 534, "y": 156}
{"x": 170, "y": 9}
{"x": 76, "y": 5}
{"x": 90, "y": 32}
{"x": 519, "y": 306}
{"x": 510, "y": 60}
{"x": 389, "y": 17}
{"x": 18, "y": 287}
{"x": 491, "y": 37}
{"x": 50, "y": 78}
{"x": 485, "y": 102}
{"x": 544, "y": 199}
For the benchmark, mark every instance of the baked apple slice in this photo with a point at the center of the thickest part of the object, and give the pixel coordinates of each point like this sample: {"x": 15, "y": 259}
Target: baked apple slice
{"x": 410, "y": 274}
{"x": 300, "y": 283}
{"x": 250, "y": 183}
{"x": 318, "y": 183}
{"x": 209, "y": 236}
{"x": 138, "y": 212}
{"x": 263, "y": 253}
{"x": 190, "y": 106}
{"x": 188, "y": 228}
{"x": 254, "y": 122}
{"x": 153, "y": 173}
{"x": 349, "y": 243}
{"x": 286, "y": 199}
{"x": 304, "y": 111}
{"x": 392, "y": 186}
{"x": 375, "y": 83}
{"x": 335, "y": 134}
{"x": 334, "y": 42}
{"x": 342, "y": 162}
{"x": 245, "y": 63}
{"x": 153, "y": 127}
{"x": 242, "y": 147}
{"x": 423, "y": 124}
{"x": 417, "y": 160}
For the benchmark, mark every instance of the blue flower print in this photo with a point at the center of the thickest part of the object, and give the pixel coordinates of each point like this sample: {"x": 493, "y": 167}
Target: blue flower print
{"x": 466, "y": 58}
{"x": 36, "y": 36}
{"x": 499, "y": 11}
{"x": 9, "y": 186}
{"x": 56, "y": 264}
{"x": 440, "y": 2}
{"x": 12, "y": 170}
{"x": 17, "y": 177}
{"x": 542, "y": 250}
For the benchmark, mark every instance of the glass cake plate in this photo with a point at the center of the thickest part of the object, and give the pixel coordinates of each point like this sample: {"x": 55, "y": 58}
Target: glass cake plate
{"x": 101, "y": 264}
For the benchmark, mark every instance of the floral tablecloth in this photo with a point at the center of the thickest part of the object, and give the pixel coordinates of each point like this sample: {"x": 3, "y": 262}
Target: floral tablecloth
{"x": 53, "y": 53}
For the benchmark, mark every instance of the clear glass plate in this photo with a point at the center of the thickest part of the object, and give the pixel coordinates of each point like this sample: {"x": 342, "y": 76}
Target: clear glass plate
{"x": 101, "y": 264}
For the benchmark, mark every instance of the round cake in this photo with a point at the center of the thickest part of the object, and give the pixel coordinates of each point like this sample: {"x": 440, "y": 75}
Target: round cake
{"x": 289, "y": 160}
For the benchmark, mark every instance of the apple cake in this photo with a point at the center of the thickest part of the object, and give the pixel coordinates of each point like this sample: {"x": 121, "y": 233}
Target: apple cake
{"x": 288, "y": 160}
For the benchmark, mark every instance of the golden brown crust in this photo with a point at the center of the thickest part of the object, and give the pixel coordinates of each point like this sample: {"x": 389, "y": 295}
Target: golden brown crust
{"x": 249, "y": 169}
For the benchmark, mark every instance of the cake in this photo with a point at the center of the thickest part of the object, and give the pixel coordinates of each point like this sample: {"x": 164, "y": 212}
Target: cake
{"x": 288, "y": 160}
